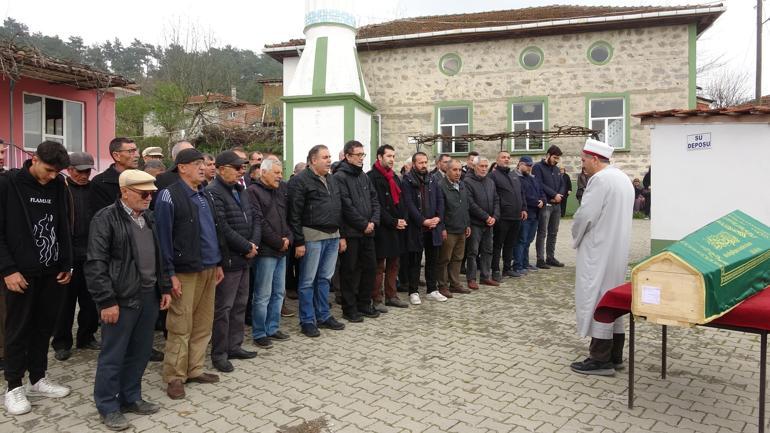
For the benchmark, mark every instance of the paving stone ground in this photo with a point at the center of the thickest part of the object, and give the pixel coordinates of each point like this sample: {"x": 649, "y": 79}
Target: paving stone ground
{"x": 496, "y": 360}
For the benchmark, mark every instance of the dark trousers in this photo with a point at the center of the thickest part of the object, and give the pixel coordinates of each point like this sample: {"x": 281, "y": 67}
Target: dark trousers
{"x": 385, "y": 278}
{"x": 29, "y": 321}
{"x": 431, "y": 259}
{"x": 504, "y": 236}
{"x": 356, "y": 270}
{"x": 478, "y": 251}
{"x": 126, "y": 347}
{"x": 607, "y": 350}
{"x": 230, "y": 302}
{"x": 403, "y": 272}
{"x": 88, "y": 318}
{"x": 2, "y": 318}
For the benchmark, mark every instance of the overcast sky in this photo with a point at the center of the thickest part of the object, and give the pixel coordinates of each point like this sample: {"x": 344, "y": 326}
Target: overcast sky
{"x": 253, "y": 24}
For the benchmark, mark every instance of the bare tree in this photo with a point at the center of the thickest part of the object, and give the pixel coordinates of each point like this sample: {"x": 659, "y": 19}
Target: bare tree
{"x": 728, "y": 87}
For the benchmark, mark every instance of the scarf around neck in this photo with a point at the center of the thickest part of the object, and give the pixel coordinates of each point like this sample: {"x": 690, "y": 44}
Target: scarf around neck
{"x": 395, "y": 191}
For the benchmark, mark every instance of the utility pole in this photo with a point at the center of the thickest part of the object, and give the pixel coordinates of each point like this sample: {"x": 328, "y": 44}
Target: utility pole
{"x": 758, "y": 88}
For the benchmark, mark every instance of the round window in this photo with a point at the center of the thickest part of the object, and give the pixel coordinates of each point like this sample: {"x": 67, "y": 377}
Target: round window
{"x": 531, "y": 58}
{"x": 600, "y": 53}
{"x": 450, "y": 64}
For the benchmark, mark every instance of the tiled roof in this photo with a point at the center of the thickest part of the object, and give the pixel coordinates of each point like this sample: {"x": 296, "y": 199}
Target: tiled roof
{"x": 502, "y": 18}
{"x": 738, "y": 110}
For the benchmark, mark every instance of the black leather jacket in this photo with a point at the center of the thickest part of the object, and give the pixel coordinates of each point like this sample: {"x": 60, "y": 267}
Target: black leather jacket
{"x": 313, "y": 204}
{"x": 111, "y": 271}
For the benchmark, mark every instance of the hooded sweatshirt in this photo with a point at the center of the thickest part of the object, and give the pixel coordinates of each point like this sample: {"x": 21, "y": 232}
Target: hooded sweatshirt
{"x": 35, "y": 236}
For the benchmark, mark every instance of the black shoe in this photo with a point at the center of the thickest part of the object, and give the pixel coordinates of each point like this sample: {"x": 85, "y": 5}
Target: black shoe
{"x": 2, "y": 364}
{"x": 555, "y": 263}
{"x": 241, "y": 353}
{"x": 497, "y": 277}
{"x": 395, "y": 302}
{"x": 263, "y": 342}
{"x": 512, "y": 274}
{"x": 115, "y": 421}
{"x": 618, "y": 364}
{"x": 369, "y": 312}
{"x": 223, "y": 365}
{"x": 592, "y": 366}
{"x": 542, "y": 265}
{"x": 353, "y": 318}
{"x": 140, "y": 407}
{"x": 310, "y": 330}
{"x": 332, "y": 323}
{"x": 156, "y": 356}
{"x": 62, "y": 354}
{"x": 91, "y": 345}
{"x": 279, "y": 335}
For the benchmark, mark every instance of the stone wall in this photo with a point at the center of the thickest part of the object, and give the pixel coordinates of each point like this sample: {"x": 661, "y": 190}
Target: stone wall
{"x": 650, "y": 64}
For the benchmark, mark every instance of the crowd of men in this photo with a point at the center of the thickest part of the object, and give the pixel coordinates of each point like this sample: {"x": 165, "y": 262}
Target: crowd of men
{"x": 215, "y": 237}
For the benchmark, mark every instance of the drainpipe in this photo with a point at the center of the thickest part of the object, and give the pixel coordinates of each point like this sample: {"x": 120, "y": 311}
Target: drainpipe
{"x": 11, "y": 151}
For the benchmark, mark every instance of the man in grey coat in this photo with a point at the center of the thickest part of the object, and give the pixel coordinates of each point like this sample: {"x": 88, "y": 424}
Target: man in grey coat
{"x": 484, "y": 205}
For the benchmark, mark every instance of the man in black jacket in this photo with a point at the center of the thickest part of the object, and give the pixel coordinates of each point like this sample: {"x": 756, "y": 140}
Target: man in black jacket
{"x": 78, "y": 188}
{"x": 315, "y": 216}
{"x": 104, "y": 186}
{"x": 35, "y": 262}
{"x": 484, "y": 204}
{"x": 389, "y": 236}
{"x": 512, "y": 211}
{"x": 127, "y": 282}
{"x": 425, "y": 227}
{"x": 360, "y": 216}
{"x": 3, "y": 148}
{"x": 191, "y": 250}
{"x": 547, "y": 173}
{"x": 241, "y": 236}
{"x": 268, "y": 197}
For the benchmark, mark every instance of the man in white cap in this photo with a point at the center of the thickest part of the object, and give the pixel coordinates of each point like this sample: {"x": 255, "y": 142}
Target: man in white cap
{"x": 128, "y": 287}
{"x": 601, "y": 232}
{"x": 152, "y": 154}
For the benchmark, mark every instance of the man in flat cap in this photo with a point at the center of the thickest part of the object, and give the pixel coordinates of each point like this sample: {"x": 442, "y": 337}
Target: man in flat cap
{"x": 128, "y": 287}
{"x": 601, "y": 233}
{"x": 79, "y": 191}
{"x": 191, "y": 251}
{"x": 152, "y": 154}
{"x": 241, "y": 235}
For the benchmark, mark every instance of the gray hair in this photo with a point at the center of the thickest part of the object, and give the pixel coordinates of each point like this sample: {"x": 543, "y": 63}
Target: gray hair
{"x": 479, "y": 158}
{"x": 154, "y": 164}
{"x": 267, "y": 164}
{"x": 178, "y": 147}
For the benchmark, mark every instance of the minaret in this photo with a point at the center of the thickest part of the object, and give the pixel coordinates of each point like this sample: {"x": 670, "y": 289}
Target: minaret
{"x": 326, "y": 101}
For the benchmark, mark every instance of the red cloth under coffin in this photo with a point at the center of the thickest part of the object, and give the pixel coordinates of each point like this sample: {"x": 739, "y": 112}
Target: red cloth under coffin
{"x": 754, "y": 312}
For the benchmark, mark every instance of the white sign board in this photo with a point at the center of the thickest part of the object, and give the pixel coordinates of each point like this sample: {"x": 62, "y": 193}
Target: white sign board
{"x": 699, "y": 141}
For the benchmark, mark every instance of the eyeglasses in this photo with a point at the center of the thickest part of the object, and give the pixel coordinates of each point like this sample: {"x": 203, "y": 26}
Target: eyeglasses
{"x": 142, "y": 194}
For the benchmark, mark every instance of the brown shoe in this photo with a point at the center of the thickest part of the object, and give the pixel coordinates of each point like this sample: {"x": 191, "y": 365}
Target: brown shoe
{"x": 462, "y": 290}
{"x": 204, "y": 378}
{"x": 286, "y": 312}
{"x": 175, "y": 390}
{"x": 488, "y": 282}
{"x": 444, "y": 291}
{"x": 473, "y": 285}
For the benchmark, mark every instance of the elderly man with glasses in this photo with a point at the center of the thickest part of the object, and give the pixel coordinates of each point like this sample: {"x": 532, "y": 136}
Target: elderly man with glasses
{"x": 241, "y": 235}
{"x": 128, "y": 287}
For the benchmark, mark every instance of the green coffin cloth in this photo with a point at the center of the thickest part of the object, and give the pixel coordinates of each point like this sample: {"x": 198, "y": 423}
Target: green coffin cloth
{"x": 733, "y": 255}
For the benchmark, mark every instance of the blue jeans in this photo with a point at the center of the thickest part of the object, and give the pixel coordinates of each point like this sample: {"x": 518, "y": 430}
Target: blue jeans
{"x": 526, "y": 236}
{"x": 269, "y": 290}
{"x": 316, "y": 269}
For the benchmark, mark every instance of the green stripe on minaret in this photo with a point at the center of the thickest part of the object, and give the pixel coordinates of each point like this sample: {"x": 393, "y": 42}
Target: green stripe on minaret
{"x": 319, "y": 67}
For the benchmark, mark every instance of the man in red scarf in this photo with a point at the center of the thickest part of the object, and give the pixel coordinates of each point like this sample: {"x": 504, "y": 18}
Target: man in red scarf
{"x": 389, "y": 235}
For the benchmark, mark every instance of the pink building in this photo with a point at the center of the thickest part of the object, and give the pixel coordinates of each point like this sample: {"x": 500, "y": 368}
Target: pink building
{"x": 42, "y": 98}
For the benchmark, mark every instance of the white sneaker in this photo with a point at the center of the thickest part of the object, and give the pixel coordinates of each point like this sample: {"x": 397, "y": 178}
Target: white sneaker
{"x": 16, "y": 402}
{"x": 414, "y": 299}
{"x": 46, "y": 388}
{"x": 436, "y": 296}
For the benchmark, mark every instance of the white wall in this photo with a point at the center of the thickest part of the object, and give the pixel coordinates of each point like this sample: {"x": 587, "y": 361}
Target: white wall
{"x": 691, "y": 188}
{"x": 363, "y": 131}
{"x": 317, "y": 125}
